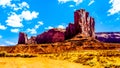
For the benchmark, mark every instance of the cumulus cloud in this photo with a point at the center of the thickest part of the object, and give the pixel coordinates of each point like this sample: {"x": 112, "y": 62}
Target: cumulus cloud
{"x": 91, "y": 2}
{"x": 17, "y": 6}
{"x": 61, "y": 26}
{"x": 10, "y": 43}
{"x": 27, "y": 15}
{"x": 38, "y": 25}
{"x": 23, "y": 5}
{"x": 2, "y": 27}
{"x": 34, "y": 30}
{"x": 14, "y": 20}
{"x": 5, "y": 3}
{"x": 49, "y": 27}
{"x": 115, "y": 8}
{"x": 15, "y": 30}
{"x": 78, "y": 1}
{"x": 65, "y": 1}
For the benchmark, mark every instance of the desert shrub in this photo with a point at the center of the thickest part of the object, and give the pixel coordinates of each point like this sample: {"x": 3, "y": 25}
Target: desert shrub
{"x": 90, "y": 64}
{"x": 112, "y": 66}
{"x": 84, "y": 59}
{"x": 3, "y": 54}
{"x": 25, "y": 55}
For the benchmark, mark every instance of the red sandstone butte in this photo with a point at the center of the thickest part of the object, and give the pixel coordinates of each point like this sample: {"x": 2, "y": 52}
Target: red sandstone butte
{"x": 51, "y": 36}
{"x": 83, "y": 24}
{"x": 22, "y": 38}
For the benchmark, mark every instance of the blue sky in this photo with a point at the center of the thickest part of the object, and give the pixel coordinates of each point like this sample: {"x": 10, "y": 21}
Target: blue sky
{"x": 36, "y": 16}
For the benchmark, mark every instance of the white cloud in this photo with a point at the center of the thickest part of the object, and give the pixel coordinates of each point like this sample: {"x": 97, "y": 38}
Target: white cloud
{"x": 14, "y": 6}
{"x": 0, "y": 36}
{"x": 40, "y": 23}
{"x": 49, "y": 27}
{"x": 20, "y": 6}
{"x": 14, "y": 20}
{"x": 2, "y": 27}
{"x": 61, "y": 26}
{"x": 115, "y": 8}
{"x": 71, "y": 5}
{"x": 10, "y": 43}
{"x": 15, "y": 30}
{"x": 32, "y": 31}
{"x": 27, "y": 15}
{"x": 5, "y": 3}
{"x": 91, "y": 2}
{"x": 78, "y": 1}
{"x": 65, "y": 1}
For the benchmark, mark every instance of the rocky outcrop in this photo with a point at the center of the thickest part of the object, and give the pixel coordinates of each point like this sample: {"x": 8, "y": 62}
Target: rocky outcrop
{"x": 51, "y": 36}
{"x": 83, "y": 24}
{"x": 32, "y": 40}
{"x": 70, "y": 31}
{"x": 22, "y": 38}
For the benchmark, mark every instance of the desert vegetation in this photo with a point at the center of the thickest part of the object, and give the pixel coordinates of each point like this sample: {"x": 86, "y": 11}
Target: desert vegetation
{"x": 92, "y": 58}
{"x": 25, "y": 55}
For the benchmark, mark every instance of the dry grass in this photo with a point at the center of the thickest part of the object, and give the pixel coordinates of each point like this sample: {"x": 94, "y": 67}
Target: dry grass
{"x": 73, "y": 59}
{"x": 91, "y": 58}
{"x": 25, "y": 55}
{"x": 36, "y": 62}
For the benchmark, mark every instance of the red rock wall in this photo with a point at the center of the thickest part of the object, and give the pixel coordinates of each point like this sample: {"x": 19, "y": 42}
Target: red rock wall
{"x": 51, "y": 36}
{"x": 83, "y": 24}
{"x": 22, "y": 38}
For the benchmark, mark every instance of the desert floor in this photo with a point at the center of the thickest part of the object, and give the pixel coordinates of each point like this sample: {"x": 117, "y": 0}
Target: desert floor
{"x": 73, "y": 59}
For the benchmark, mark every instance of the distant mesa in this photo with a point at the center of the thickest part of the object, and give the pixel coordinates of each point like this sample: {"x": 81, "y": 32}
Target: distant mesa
{"x": 83, "y": 24}
{"x": 109, "y": 37}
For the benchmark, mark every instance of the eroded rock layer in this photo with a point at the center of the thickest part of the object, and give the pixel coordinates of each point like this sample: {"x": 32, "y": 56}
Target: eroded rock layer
{"x": 83, "y": 24}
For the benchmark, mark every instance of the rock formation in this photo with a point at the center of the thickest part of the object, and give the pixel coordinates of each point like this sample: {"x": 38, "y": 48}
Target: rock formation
{"x": 109, "y": 37}
{"x": 32, "y": 40}
{"x": 22, "y": 38}
{"x": 51, "y": 36}
{"x": 82, "y": 24}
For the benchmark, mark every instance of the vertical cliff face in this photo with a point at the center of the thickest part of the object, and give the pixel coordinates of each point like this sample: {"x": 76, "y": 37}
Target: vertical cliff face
{"x": 22, "y": 38}
{"x": 83, "y": 24}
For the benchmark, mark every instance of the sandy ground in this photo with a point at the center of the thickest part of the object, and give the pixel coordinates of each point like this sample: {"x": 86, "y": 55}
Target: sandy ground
{"x": 36, "y": 62}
